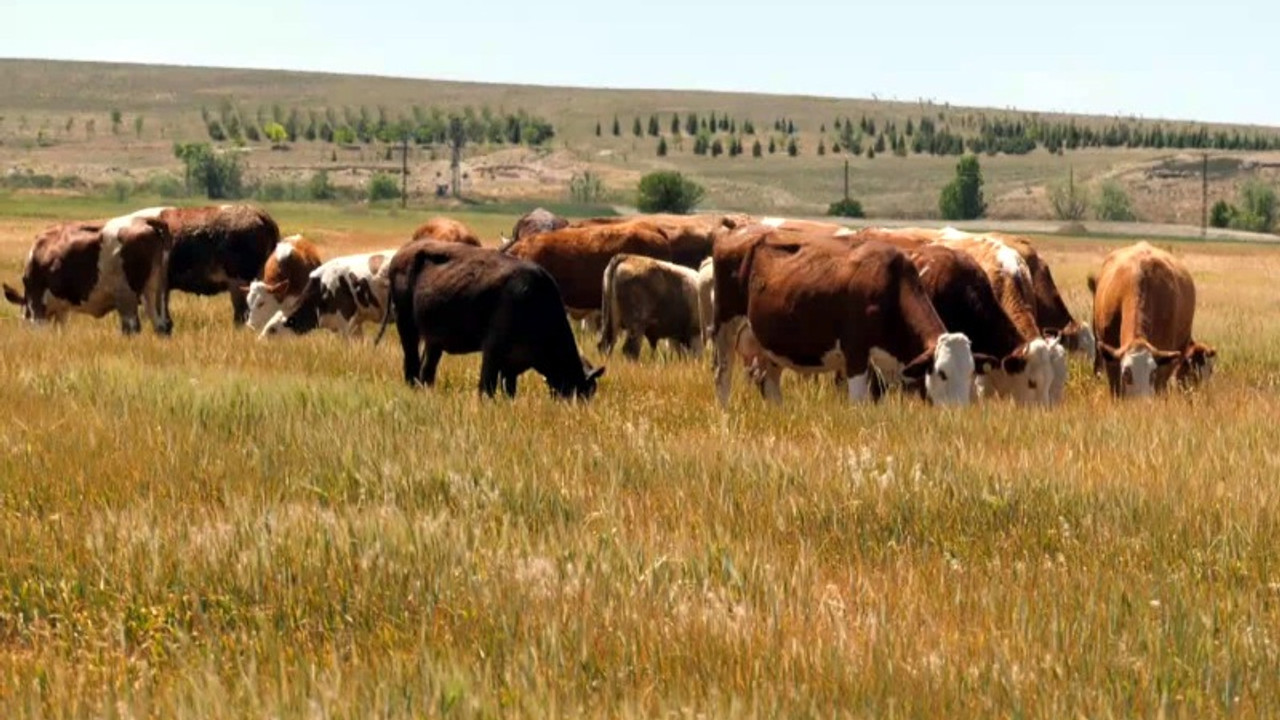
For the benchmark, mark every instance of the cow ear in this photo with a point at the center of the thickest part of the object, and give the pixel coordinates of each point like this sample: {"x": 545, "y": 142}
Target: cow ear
{"x": 1014, "y": 363}
{"x": 1108, "y": 353}
{"x": 280, "y": 288}
{"x": 246, "y": 288}
{"x": 983, "y": 364}
{"x": 919, "y": 367}
{"x": 1164, "y": 357}
{"x": 595, "y": 373}
{"x": 14, "y": 296}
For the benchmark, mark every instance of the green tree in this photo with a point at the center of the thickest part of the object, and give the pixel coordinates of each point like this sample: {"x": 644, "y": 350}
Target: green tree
{"x": 383, "y": 187}
{"x": 675, "y": 124}
{"x": 1257, "y": 209}
{"x": 662, "y": 147}
{"x": 636, "y": 128}
{"x": 137, "y": 126}
{"x": 617, "y": 127}
{"x": 847, "y": 207}
{"x": 1113, "y": 204}
{"x": 822, "y": 147}
{"x": 218, "y": 175}
{"x": 319, "y": 188}
{"x": 792, "y": 148}
{"x": 773, "y": 147}
{"x": 668, "y": 191}
{"x": 717, "y": 149}
{"x": 962, "y": 198}
{"x": 116, "y": 119}
{"x": 654, "y": 130}
{"x": 756, "y": 149}
{"x": 275, "y": 132}
{"x": 1222, "y": 214}
{"x": 597, "y": 128}
{"x": 1068, "y": 200}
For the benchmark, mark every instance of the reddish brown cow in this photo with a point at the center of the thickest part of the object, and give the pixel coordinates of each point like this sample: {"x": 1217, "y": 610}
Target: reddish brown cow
{"x": 1144, "y": 304}
{"x": 577, "y": 257}
{"x": 283, "y": 280}
{"x": 95, "y": 268}
{"x": 447, "y": 229}
{"x": 689, "y": 236}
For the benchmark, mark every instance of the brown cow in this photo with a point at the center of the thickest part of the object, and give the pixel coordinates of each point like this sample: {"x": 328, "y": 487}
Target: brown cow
{"x": 577, "y": 256}
{"x": 533, "y": 222}
{"x": 689, "y": 236}
{"x": 815, "y": 305}
{"x": 283, "y": 280}
{"x": 447, "y": 229}
{"x": 1144, "y": 304}
{"x": 650, "y": 299}
{"x": 97, "y": 267}
{"x": 217, "y": 249}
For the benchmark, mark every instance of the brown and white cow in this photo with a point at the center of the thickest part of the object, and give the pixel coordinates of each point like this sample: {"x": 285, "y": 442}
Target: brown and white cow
{"x": 577, "y": 256}
{"x": 649, "y": 299}
{"x": 706, "y": 297}
{"x": 283, "y": 280}
{"x": 95, "y": 268}
{"x": 447, "y": 229}
{"x": 340, "y": 295}
{"x": 1144, "y": 304}
{"x": 1014, "y": 288}
{"x": 534, "y": 222}
{"x": 814, "y": 304}
{"x": 217, "y": 249}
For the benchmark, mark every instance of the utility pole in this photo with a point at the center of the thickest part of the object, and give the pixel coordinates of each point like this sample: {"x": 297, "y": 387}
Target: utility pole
{"x": 1204, "y": 195}
{"x": 404, "y": 170}
{"x": 846, "y": 179}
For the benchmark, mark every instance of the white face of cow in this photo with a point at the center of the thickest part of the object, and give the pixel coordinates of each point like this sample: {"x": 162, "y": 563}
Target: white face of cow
{"x": 274, "y": 326}
{"x": 1058, "y": 361}
{"x": 1088, "y": 343}
{"x": 262, "y": 305}
{"x": 1027, "y": 375}
{"x": 1138, "y": 373}
{"x": 950, "y": 380}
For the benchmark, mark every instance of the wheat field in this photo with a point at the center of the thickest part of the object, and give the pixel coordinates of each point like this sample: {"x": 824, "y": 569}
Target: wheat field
{"x": 211, "y": 526}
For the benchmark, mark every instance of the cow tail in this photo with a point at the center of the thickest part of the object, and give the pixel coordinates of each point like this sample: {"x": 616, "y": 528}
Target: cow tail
{"x": 1093, "y": 284}
{"x": 386, "y": 317}
{"x": 607, "y": 314}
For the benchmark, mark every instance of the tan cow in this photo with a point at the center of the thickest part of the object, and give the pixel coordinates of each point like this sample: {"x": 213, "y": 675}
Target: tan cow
{"x": 283, "y": 280}
{"x": 96, "y": 268}
{"x": 447, "y": 229}
{"x": 1144, "y": 304}
{"x": 649, "y": 299}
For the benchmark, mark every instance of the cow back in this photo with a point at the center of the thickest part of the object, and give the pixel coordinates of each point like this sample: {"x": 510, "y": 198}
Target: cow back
{"x": 576, "y": 257}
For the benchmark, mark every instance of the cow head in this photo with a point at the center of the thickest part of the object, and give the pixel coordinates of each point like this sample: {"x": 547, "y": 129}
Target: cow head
{"x": 20, "y": 299}
{"x": 947, "y": 369}
{"x": 582, "y": 387}
{"x": 264, "y": 301}
{"x": 303, "y": 317}
{"x": 1197, "y": 364}
{"x": 1028, "y": 373}
{"x": 1135, "y": 367}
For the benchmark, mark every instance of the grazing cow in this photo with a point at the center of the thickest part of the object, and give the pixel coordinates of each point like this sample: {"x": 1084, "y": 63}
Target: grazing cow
{"x": 577, "y": 256}
{"x": 706, "y": 297}
{"x": 689, "y": 237}
{"x": 457, "y": 300}
{"x": 447, "y": 230}
{"x": 534, "y": 222}
{"x": 815, "y": 305}
{"x": 217, "y": 249}
{"x": 96, "y": 267}
{"x": 1011, "y": 281}
{"x": 649, "y": 299}
{"x": 1144, "y": 304}
{"x": 340, "y": 295}
{"x": 283, "y": 280}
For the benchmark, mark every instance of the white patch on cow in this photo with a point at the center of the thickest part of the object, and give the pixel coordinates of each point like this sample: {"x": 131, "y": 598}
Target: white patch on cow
{"x": 1137, "y": 373}
{"x": 151, "y": 213}
{"x": 774, "y": 222}
{"x": 1088, "y": 343}
{"x": 1034, "y": 384}
{"x": 924, "y": 270}
{"x": 274, "y": 326}
{"x": 350, "y": 271}
{"x": 1058, "y": 361}
{"x": 950, "y": 233}
{"x": 950, "y": 380}
{"x": 1010, "y": 261}
{"x": 843, "y": 232}
{"x": 889, "y": 367}
{"x": 860, "y": 387}
{"x": 262, "y": 306}
{"x": 283, "y": 250}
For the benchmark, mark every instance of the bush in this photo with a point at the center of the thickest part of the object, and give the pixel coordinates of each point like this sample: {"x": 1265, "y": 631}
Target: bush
{"x": 1113, "y": 204}
{"x": 756, "y": 150}
{"x": 662, "y": 147}
{"x": 165, "y": 185}
{"x": 120, "y": 190}
{"x": 1068, "y": 201}
{"x": 962, "y": 198}
{"x": 1222, "y": 214}
{"x": 319, "y": 188}
{"x": 383, "y": 187}
{"x": 792, "y": 148}
{"x": 586, "y": 188}
{"x": 218, "y": 175}
{"x": 668, "y": 191}
{"x": 1258, "y": 208}
{"x": 847, "y": 207}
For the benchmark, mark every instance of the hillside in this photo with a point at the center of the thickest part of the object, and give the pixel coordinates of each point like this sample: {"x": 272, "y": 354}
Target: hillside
{"x": 56, "y": 119}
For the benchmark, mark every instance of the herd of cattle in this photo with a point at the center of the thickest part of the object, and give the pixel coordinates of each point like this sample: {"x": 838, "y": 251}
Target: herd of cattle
{"x": 943, "y": 313}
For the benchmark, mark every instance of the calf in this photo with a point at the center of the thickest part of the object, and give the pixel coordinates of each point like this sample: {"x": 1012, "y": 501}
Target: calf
{"x": 455, "y": 299}
{"x": 447, "y": 230}
{"x": 649, "y": 299}
{"x": 95, "y": 268}
{"x": 1144, "y": 304}
{"x": 283, "y": 280}
{"x": 340, "y": 295}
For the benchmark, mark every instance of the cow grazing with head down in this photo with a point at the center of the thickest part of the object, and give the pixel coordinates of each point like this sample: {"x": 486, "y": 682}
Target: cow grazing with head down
{"x": 814, "y": 304}
{"x": 447, "y": 229}
{"x": 453, "y": 299}
{"x": 649, "y": 299}
{"x": 217, "y": 249}
{"x": 1144, "y": 304}
{"x": 283, "y": 280}
{"x": 577, "y": 256}
{"x": 95, "y": 268}
{"x": 534, "y": 222}
{"x": 340, "y": 295}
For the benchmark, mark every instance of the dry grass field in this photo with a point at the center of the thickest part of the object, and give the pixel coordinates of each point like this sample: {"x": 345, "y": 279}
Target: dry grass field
{"x": 211, "y": 526}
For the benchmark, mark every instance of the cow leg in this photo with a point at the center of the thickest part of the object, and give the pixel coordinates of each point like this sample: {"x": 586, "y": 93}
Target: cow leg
{"x": 154, "y": 302}
{"x": 489, "y": 372}
{"x": 509, "y": 383}
{"x": 631, "y": 346}
{"x": 239, "y": 305}
{"x": 862, "y": 386}
{"x": 428, "y": 376}
{"x": 409, "y": 346}
{"x": 726, "y": 337}
{"x": 770, "y": 382}
{"x": 127, "y": 306}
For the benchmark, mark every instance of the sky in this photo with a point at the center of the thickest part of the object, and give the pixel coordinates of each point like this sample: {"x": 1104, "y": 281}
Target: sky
{"x": 1176, "y": 59}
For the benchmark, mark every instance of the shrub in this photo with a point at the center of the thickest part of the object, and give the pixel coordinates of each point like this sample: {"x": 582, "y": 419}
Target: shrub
{"x": 120, "y": 190}
{"x": 319, "y": 187}
{"x": 1113, "y": 204}
{"x": 847, "y": 207}
{"x": 165, "y": 185}
{"x": 218, "y": 175}
{"x": 1222, "y": 214}
{"x": 585, "y": 188}
{"x": 1068, "y": 201}
{"x": 962, "y": 198}
{"x": 792, "y": 148}
{"x": 383, "y": 187}
{"x": 756, "y": 149}
{"x": 717, "y": 148}
{"x": 668, "y": 191}
{"x": 1258, "y": 208}
{"x": 662, "y": 147}
{"x": 275, "y": 132}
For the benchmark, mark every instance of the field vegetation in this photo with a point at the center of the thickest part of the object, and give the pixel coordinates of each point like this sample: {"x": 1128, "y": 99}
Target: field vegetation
{"x": 212, "y": 526}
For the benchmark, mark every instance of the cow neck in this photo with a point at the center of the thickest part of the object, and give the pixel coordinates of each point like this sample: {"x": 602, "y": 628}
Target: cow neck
{"x": 921, "y": 324}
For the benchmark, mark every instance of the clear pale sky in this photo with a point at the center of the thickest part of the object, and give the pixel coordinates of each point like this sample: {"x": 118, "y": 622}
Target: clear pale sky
{"x": 1217, "y": 61}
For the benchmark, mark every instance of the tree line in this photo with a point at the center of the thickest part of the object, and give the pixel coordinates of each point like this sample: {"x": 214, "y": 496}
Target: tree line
{"x": 350, "y": 125}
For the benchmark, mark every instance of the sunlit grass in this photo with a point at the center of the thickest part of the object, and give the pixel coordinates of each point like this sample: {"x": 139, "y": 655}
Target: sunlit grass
{"x": 211, "y": 526}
